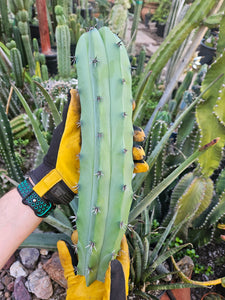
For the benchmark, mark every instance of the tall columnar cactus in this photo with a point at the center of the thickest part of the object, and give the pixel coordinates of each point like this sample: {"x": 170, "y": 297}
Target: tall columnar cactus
{"x": 63, "y": 44}
{"x": 106, "y": 166}
{"x": 20, "y": 9}
{"x": 5, "y": 20}
{"x": 75, "y": 29}
{"x": 17, "y": 66}
{"x": 6, "y": 148}
{"x": 118, "y": 17}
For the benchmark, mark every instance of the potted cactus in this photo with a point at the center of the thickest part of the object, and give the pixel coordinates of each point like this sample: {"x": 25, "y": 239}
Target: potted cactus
{"x": 50, "y": 54}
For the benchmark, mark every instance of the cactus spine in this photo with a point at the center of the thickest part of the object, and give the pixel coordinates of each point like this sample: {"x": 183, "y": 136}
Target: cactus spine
{"x": 106, "y": 155}
{"x": 63, "y": 44}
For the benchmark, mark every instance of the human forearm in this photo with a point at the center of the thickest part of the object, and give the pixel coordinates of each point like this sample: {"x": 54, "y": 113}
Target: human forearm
{"x": 17, "y": 221}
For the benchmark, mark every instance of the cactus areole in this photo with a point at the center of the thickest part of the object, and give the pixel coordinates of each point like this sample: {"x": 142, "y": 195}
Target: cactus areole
{"x": 106, "y": 163}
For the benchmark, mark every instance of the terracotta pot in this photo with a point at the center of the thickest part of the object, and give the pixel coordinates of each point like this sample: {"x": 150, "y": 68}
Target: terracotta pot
{"x": 179, "y": 294}
{"x": 148, "y": 8}
{"x": 212, "y": 295}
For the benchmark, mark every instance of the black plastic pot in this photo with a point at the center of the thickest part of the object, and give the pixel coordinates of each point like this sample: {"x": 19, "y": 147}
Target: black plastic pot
{"x": 160, "y": 29}
{"x": 72, "y": 53}
{"x": 83, "y": 12}
{"x": 51, "y": 62}
{"x": 207, "y": 52}
{"x": 147, "y": 19}
{"x": 34, "y": 32}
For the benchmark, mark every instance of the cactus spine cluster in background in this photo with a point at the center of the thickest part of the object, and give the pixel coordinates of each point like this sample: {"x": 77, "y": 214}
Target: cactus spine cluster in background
{"x": 63, "y": 44}
{"x": 20, "y": 9}
{"x": 106, "y": 165}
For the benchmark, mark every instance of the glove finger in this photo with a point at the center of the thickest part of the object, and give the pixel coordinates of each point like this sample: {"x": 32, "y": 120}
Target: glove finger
{"x": 124, "y": 259}
{"x": 117, "y": 291}
{"x": 51, "y": 156}
{"x": 138, "y": 152}
{"x": 68, "y": 163}
{"x": 67, "y": 258}
{"x": 139, "y": 135}
{"x": 140, "y": 166}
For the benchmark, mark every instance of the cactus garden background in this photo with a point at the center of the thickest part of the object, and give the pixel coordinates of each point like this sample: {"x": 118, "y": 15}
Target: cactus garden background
{"x": 176, "y": 216}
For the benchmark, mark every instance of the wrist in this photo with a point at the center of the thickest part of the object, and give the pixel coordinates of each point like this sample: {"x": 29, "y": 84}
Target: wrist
{"x": 40, "y": 206}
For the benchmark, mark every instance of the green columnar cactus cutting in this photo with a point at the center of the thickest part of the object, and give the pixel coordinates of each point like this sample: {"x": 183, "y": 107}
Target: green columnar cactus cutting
{"x": 106, "y": 164}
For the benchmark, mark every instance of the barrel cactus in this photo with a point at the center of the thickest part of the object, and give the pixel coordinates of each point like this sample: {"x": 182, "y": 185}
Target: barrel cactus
{"x": 106, "y": 163}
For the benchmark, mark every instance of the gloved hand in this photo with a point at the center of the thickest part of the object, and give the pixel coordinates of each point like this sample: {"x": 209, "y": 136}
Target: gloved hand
{"x": 57, "y": 177}
{"x": 115, "y": 286}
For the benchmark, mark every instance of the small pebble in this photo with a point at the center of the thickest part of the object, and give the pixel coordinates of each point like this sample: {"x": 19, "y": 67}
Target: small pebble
{"x": 44, "y": 252}
{"x": 7, "y": 294}
{"x": 17, "y": 270}
{"x": 29, "y": 257}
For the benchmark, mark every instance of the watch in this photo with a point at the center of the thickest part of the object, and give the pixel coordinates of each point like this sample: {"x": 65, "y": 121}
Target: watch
{"x": 41, "y": 207}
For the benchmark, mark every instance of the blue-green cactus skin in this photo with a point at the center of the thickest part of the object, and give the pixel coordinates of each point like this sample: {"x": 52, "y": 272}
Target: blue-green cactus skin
{"x": 106, "y": 163}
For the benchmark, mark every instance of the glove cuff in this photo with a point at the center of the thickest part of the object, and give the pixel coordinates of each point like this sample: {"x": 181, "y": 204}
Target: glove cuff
{"x": 41, "y": 207}
{"x": 41, "y": 171}
{"x": 60, "y": 194}
{"x": 55, "y": 191}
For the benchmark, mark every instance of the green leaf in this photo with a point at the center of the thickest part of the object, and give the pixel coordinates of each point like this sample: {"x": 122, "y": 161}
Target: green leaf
{"x": 164, "y": 257}
{"x": 46, "y": 240}
{"x": 61, "y": 226}
{"x": 40, "y": 138}
{"x": 171, "y": 286}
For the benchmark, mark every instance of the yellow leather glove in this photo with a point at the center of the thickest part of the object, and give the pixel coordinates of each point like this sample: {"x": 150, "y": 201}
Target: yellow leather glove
{"x": 56, "y": 179}
{"x": 115, "y": 286}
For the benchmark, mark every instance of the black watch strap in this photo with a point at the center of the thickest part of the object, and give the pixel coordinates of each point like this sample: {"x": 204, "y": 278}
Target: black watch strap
{"x": 40, "y": 207}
